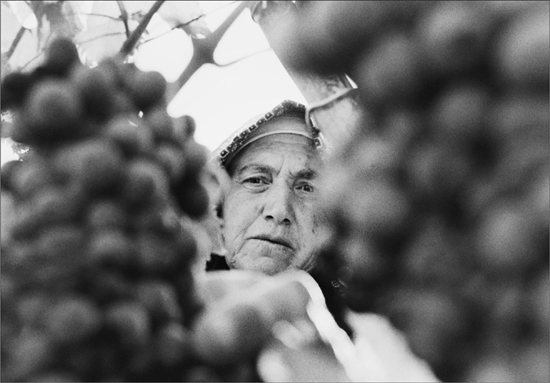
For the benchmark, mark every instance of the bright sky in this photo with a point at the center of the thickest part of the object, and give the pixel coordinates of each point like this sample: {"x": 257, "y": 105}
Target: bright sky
{"x": 220, "y": 99}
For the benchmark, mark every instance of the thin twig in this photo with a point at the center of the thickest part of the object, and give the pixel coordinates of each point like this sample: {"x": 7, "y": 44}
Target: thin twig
{"x": 130, "y": 44}
{"x": 33, "y": 59}
{"x": 124, "y": 17}
{"x": 183, "y": 25}
{"x": 15, "y": 42}
{"x": 92, "y": 14}
{"x": 242, "y": 58}
{"x": 99, "y": 37}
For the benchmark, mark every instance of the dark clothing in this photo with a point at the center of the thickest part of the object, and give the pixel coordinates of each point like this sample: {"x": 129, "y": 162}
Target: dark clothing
{"x": 216, "y": 262}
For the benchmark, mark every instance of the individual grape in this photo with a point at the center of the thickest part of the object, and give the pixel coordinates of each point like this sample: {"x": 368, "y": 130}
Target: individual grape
{"x": 160, "y": 299}
{"x": 193, "y": 200}
{"x": 160, "y": 122}
{"x": 434, "y": 257}
{"x": 492, "y": 369}
{"x": 54, "y": 113}
{"x": 130, "y": 322}
{"x": 184, "y": 127}
{"x": 392, "y": 69}
{"x": 523, "y": 50}
{"x": 130, "y": 136}
{"x": 174, "y": 163}
{"x": 95, "y": 165}
{"x": 363, "y": 262}
{"x": 145, "y": 183}
{"x": 106, "y": 214}
{"x": 519, "y": 115}
{"x": 72, "y": 319}
{"x": 31, "y": 352}
{"x": 109, "y": 286}
{"x": 453, "y": 36}
{"x": 8, "y": 170}
{"x": 381, "y": 209}
{"x": 460, "y": 113}
{"x": 24, "y": 225}
{"x": 123, "y": 103}
{"x": 323, "y": 26}
{"x": 15, "y": 88}
{"x": 534, "y": 363}
{"x": 216, "y": 334}
{"x": 61, "y": 56}
{"x": 95, "y": 91}
{"x": 110, "y": 247}
{"x": 506, "y": 239}
{"x": 147, "y": 89}
{"x": 61, "y": 241}
{"x": 197, "y": 157}
{"x": 173, "y": 343}
{"x": 155, "y": 255}
{"x": 32, "y": 177}
{"x": 57, "y": 205}
{"x": 32, "y": 307}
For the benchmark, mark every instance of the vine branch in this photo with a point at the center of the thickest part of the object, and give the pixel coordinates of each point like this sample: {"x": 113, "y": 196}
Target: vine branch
{"x": 131, "y": 42}
{"x": 223, "y": 65}
{"x": 203, "y": 52}
{"x": 15, "y": 42}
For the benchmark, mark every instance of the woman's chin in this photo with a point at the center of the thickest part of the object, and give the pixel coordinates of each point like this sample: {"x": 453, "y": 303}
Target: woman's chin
{"x": 265, "y": 265}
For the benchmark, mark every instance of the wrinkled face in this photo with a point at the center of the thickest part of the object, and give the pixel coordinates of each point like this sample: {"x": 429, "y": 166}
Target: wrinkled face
{"x": 270, "y": 219}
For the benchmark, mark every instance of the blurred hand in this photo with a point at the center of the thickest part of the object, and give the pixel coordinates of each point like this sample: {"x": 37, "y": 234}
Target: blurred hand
{"x": 283, "y": 321}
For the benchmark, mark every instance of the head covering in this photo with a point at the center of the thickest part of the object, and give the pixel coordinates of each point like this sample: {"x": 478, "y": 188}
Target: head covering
{"x": 257, "y": 128}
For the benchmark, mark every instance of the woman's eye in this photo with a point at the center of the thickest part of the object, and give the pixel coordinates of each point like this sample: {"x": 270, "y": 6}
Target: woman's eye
{"x": 255, "y": 182}
{"x": 306, "y": 188}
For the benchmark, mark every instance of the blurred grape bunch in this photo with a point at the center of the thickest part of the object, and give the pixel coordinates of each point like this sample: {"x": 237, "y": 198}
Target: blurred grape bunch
{"x": 96, "y": 268}
{"x": 439, "y": 209}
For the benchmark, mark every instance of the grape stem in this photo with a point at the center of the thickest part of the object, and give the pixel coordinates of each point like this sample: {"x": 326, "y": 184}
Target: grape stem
{"x": 124, "y": 17}
{"x": 131, "y": 42}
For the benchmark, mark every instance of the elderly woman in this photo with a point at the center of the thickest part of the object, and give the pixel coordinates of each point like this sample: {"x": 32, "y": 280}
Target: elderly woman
{"x": 270, "y": 223}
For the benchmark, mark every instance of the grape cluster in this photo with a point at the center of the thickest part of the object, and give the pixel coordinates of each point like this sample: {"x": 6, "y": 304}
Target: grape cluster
{"x": 96, "y": 267}
{"x": 439, "y": 205}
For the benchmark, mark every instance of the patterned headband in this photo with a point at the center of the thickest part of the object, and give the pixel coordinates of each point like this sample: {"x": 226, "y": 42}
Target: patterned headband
{"x": 252, "y": 131}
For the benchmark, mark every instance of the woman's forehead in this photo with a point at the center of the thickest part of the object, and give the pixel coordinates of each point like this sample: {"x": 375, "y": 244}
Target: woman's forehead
{"x": 273, "y": 150}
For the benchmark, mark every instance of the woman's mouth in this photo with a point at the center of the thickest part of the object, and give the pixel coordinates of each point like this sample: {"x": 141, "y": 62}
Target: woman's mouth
{"x": 274, "y": 240}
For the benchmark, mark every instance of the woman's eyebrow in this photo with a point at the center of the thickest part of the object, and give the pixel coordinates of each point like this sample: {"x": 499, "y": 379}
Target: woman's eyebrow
{"x": 256, "y": 168}
{"x": 305, "y": 174}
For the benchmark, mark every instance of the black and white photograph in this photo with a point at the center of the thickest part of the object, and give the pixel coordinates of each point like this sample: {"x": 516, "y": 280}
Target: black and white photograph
{"x": 275, "y": 191}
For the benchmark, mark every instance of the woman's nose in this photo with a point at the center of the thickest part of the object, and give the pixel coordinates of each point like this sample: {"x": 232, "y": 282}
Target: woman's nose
{"x": 278, "y": 204}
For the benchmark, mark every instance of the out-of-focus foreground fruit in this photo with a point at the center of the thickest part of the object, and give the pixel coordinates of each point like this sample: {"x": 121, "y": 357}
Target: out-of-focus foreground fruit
{"x": 439, "y": 206}
{"x": 96, "y": 267}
